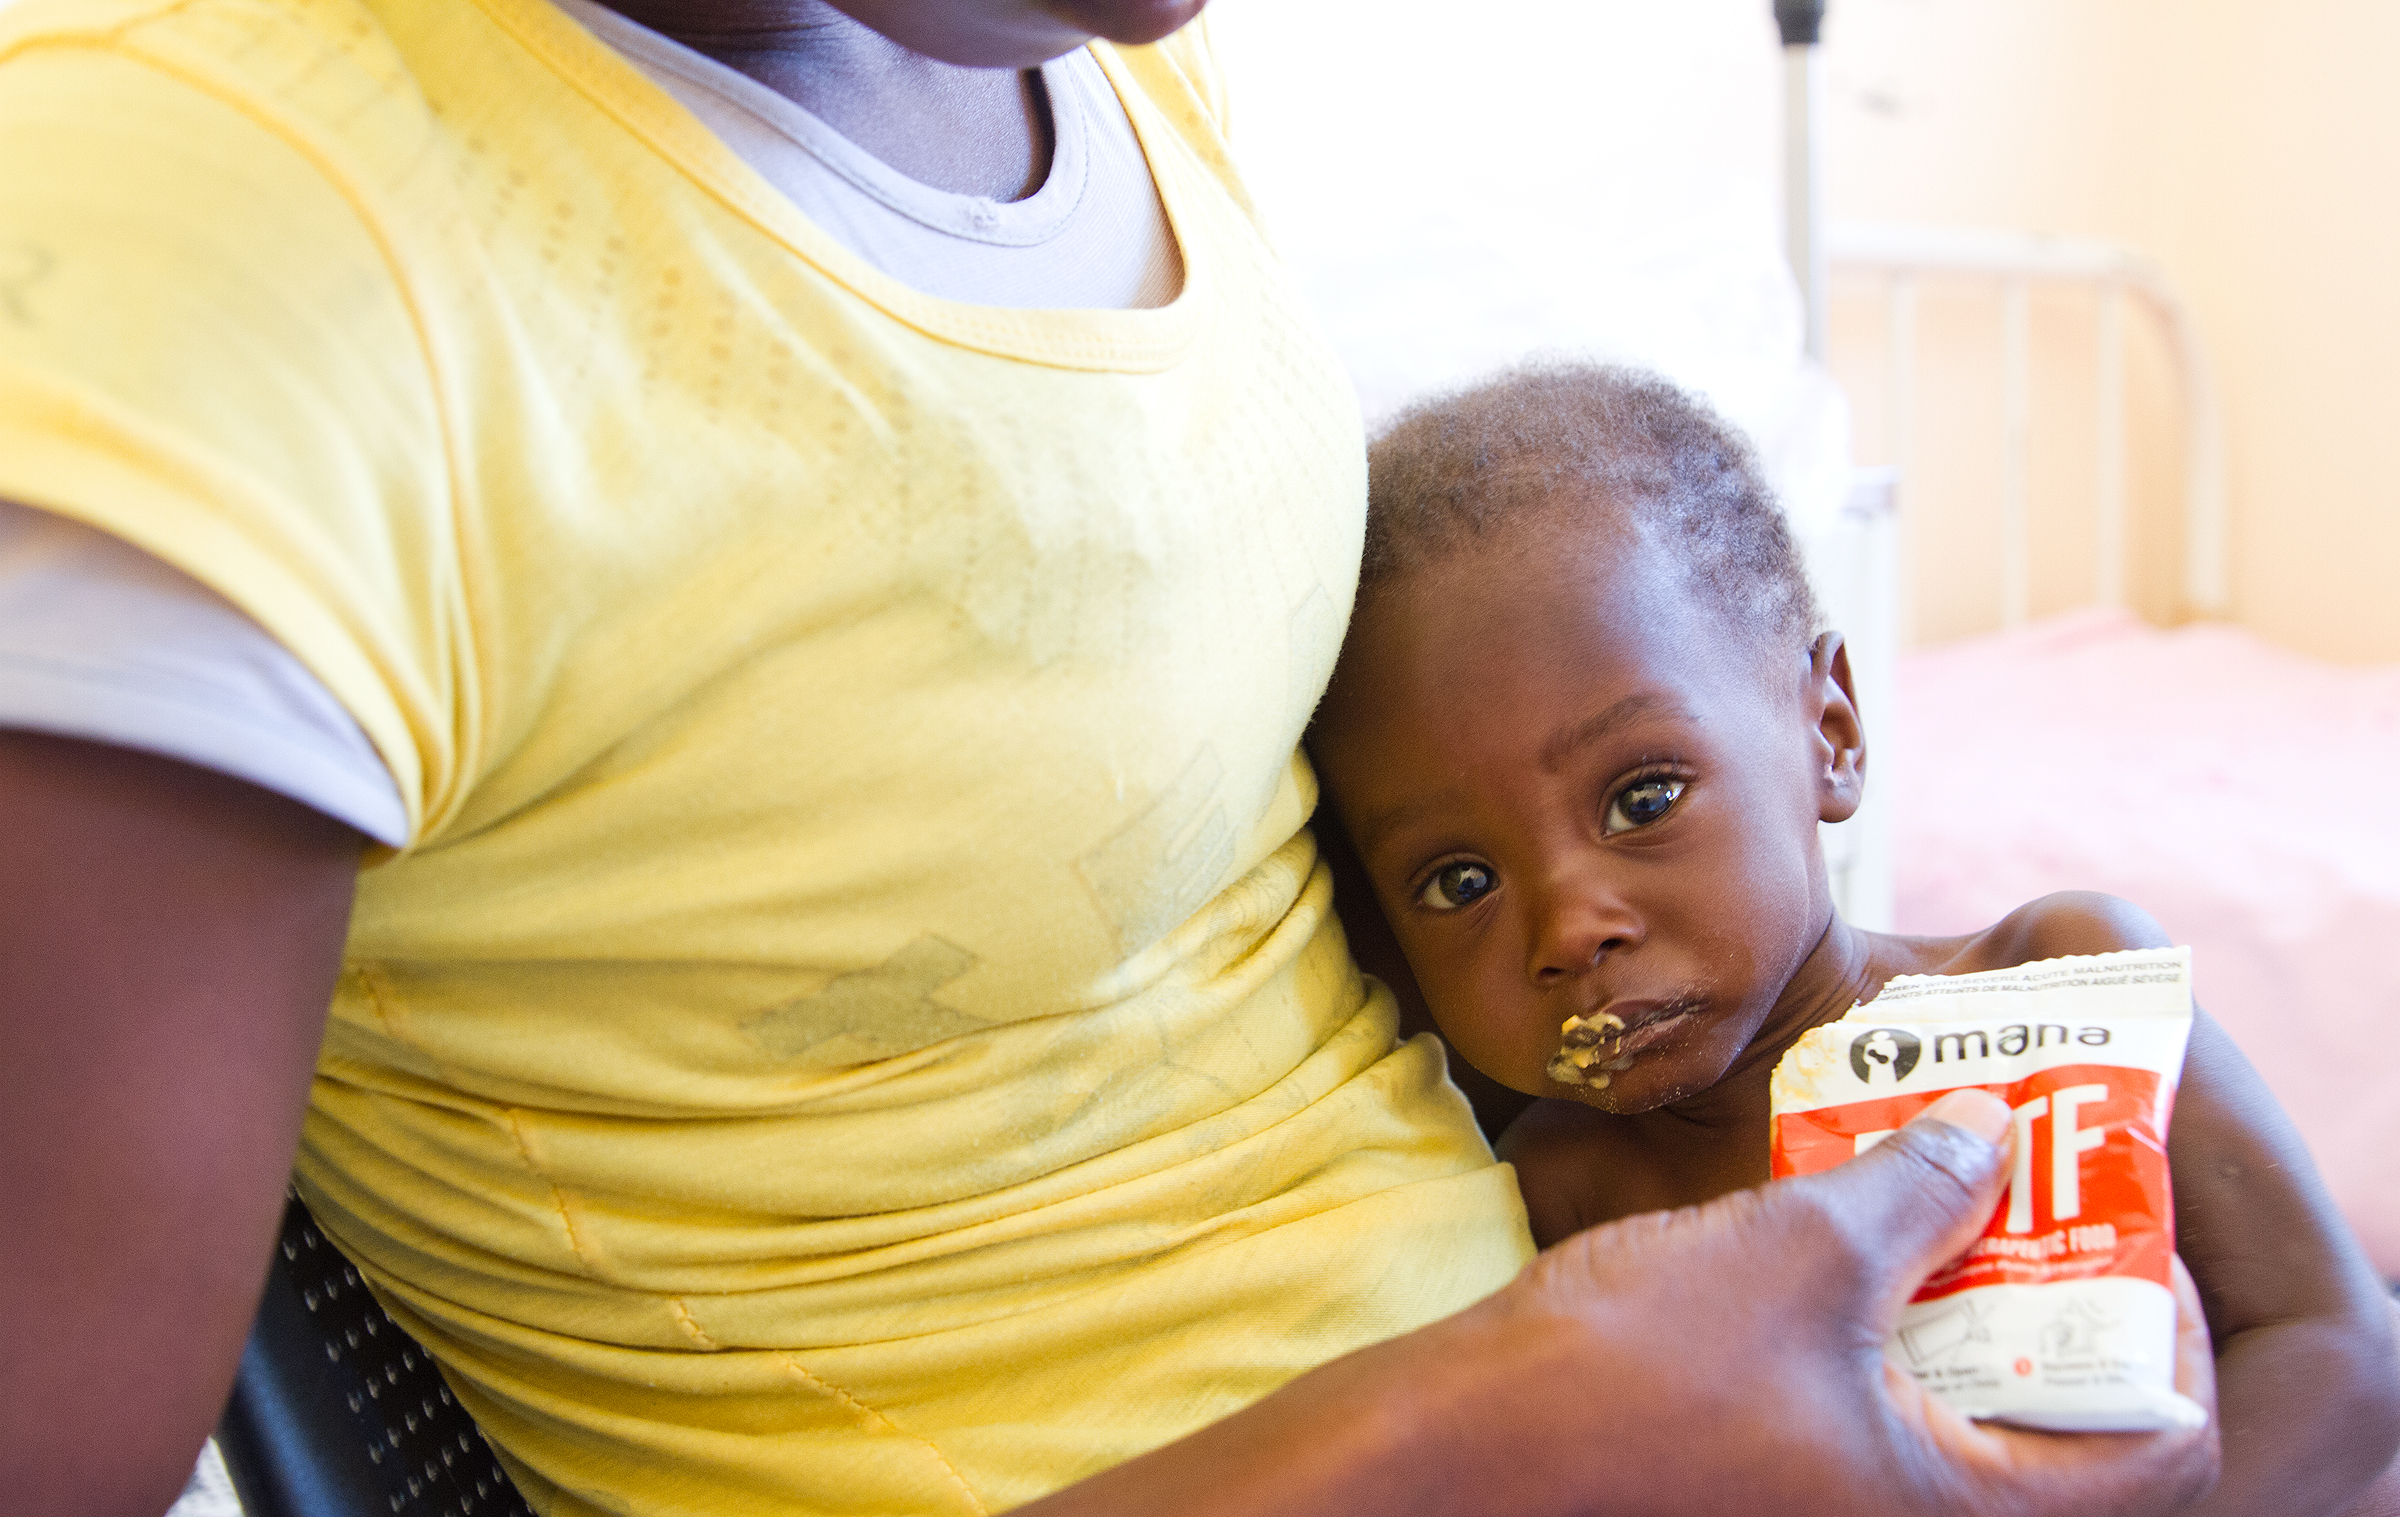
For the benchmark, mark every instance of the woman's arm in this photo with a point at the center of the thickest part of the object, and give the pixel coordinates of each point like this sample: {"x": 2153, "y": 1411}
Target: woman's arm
{"x": 168, "y": 943}
{"x": 2307, "y": 1373}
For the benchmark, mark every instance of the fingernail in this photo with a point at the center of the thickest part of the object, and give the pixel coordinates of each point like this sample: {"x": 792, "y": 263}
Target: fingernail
{"x": 1978, "y": 1111}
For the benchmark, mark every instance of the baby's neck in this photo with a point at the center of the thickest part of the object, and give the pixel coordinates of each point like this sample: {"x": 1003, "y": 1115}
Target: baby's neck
{"x": 1715, "y": 1140}
{"x": 1845, "y": 967}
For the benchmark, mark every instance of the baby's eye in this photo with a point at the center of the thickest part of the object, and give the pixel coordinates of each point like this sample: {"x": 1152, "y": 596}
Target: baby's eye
{"x": 1457, "y": 885}
{"x": 1641, "y": 803}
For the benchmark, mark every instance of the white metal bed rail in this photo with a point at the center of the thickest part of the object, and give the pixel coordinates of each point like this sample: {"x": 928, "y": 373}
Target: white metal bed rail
{"x": 2016, "y": 261}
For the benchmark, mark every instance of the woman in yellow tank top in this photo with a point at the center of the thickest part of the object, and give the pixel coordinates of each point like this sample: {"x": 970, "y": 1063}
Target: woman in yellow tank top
{"x": 859, "y": 1024}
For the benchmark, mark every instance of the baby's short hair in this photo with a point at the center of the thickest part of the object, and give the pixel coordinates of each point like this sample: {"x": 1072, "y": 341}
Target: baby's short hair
{"x": 1608, "y": 445}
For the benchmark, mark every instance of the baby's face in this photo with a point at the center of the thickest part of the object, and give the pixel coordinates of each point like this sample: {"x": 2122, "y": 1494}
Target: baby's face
{"x": 1578, "y": 794}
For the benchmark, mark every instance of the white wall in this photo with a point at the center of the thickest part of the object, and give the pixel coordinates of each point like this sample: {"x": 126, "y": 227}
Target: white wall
{"x": 1458, "y": 189}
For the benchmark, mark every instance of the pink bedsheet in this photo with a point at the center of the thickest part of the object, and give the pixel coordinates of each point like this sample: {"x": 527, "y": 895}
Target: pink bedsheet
{"x": 2247, "y": 796}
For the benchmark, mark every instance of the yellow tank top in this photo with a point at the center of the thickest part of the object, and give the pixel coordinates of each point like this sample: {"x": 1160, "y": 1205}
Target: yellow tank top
{"x": 860, "y": 1028}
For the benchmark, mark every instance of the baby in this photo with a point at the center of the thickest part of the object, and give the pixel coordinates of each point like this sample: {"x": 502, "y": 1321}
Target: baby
{"x": 1580, "y": 740}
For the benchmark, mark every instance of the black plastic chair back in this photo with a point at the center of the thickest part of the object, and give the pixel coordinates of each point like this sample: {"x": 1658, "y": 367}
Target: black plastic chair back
{"x": 338, "y": 1413}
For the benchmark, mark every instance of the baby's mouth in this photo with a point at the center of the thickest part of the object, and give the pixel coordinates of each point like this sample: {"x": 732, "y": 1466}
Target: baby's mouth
{"x": 1594, "y": 1046}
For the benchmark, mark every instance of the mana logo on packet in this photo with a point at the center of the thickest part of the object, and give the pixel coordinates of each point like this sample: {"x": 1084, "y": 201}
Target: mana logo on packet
{"x": 2060, "y": 1315}
{"x": 1888, "y": 1052}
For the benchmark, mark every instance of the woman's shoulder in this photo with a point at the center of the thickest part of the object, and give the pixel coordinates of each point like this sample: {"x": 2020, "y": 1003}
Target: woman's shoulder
{"x": 1180, "y": 77}
{"x": 28, "y": 23}
{"x": 1182, "y": 64}
{"x": 159, "y": 116}
{"x": 257, "y": 51}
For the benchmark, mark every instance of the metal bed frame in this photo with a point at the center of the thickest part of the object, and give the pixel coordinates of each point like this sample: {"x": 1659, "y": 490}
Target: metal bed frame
{"x": 1904, "y": 257}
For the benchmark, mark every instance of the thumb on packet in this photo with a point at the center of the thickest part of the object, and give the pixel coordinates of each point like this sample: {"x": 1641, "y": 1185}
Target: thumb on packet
{"x": 2060, "y": 1315}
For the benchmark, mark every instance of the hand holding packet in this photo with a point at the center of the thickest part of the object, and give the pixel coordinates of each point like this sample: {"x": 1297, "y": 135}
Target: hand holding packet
{"x": 2060, "y": 1315}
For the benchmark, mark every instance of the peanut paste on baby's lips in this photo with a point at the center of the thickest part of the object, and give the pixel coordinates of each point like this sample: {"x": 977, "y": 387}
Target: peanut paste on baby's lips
{"x": 1597, "y": 1045}
{"x": 1586, "y": 1042}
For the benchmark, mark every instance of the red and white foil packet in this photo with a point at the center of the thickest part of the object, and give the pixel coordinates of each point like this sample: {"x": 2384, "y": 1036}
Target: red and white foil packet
{"x": 2060, "y": 1315}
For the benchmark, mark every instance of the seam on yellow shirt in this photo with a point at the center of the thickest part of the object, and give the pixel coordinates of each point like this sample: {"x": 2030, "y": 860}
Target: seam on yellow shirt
{"x": 432, "y": 810}
{"x": 874, "y": 1418}
{"x": 370, "y": 980}
{"x": 558, "y": 1194}
{"x": 691, "y": 1328}
{"x": 858, "y": 1409}
{"x": 105, "y": 37}
{"x": 392, "y": 1013}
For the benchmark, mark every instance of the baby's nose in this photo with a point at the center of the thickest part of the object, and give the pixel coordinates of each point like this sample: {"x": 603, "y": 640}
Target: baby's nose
{"x": 1577, "y": 930}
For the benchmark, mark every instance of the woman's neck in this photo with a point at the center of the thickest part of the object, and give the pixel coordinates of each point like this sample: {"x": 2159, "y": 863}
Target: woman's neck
{"x": 972, "y": 131}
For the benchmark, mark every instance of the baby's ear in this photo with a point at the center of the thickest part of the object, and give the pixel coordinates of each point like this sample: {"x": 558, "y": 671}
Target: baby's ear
{"x": 1841, "y": 749}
